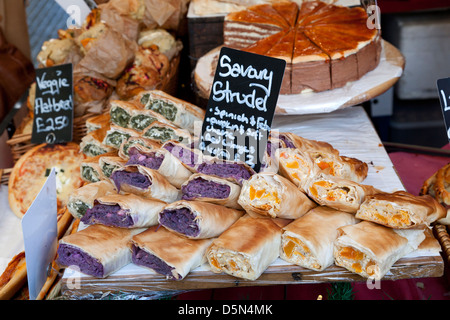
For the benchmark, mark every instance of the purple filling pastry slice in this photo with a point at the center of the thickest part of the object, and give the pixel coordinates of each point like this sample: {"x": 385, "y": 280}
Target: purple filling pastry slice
{"x": 168, "y": 253}
{"x": 233, "y": 171}
{"x": 187, "y": 154}
{"x": 198, "y": 219}
{"x": 124, "y": 211}
{"x": 212, "y": 189}
{"x": 162, "y": 161}
{"x": 144, "y": 182}
{"x": 97, "y": 250}
{"x": 151, "y": 159}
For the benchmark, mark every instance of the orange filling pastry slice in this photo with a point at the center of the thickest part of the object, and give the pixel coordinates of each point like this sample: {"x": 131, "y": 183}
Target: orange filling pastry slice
{"x": 297, "y": 165}
{"x": 296, "y": 251}
{"x": 385, "y": 213}
{"x": 356, "y": 261}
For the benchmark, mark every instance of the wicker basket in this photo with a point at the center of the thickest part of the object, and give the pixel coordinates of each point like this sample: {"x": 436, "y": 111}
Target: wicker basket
{"x": 441, "y": 232}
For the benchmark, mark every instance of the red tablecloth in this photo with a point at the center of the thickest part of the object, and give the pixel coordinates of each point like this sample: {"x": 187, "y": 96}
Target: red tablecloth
{"x": 413, "y": 170}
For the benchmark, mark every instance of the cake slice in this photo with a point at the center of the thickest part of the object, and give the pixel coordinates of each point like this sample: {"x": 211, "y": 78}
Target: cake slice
{"x": 244, "y": 28}
{"x": 310, "y": 66}
{"x": 283, "y": 50}
{"x": 288, "y": 10}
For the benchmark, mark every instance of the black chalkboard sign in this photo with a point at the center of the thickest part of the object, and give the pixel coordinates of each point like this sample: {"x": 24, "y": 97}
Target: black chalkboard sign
{"x": 443, "y": 86}
{"x": 53, "y": 105}
{"x": 241, "y": 106}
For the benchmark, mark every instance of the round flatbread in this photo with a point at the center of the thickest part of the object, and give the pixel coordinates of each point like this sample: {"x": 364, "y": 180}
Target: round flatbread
{"x": 32, "y": 169}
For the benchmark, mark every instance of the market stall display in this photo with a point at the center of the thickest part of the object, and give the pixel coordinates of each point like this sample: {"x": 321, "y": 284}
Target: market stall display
{"x": 235, "y": 261}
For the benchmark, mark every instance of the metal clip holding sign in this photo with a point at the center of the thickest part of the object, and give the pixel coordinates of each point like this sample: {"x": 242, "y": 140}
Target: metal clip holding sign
{"x": 39, "y": 228}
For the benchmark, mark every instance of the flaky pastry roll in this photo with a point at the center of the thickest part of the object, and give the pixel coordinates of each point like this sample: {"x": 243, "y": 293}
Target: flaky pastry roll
{"x": 97, "y": 250}
{"x": 247, "y": 248}
{"x": 234, "y": 171}
{"x": 296, "y": 165}
{"x": 124, "y": 211}
{"x": 130, "y": 115}
{"x": 181, "y": 113}
{"x": 92, "y": 143}
{"x": 308, "y": 240}
{"x": 109, "y": 163}
{"x": 167, "y": 253}
{"x": 145, "y": 182}
{"x": 271, "y": 195}
{"x": 401, "y": 210}
{"x": 162, "y": 161}
{"x": 116, "y": 135}
{"x": 125, "y": 146}
{"x": 327, "y": 157}
{"x": 163, "y": 132}
{"x": 370, "y": 249}
{"x": 212, "y": 189}
{"x": 338, "y": 193}
{"x": 186, "y": 153}
{"x": 198, "y": 219}
{"x": 83, "y": 198}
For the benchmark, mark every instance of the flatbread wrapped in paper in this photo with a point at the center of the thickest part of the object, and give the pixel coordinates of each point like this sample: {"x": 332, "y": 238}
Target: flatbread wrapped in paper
{"x": 271, "y": 195}
{"x": 308, "y": 241}
{"x": 97, "y": 250}
{"x": 401, "y": 210}
{"x": 145, "y": 182}
{"x": 181, "y": 113}
{"x": 338, "y": 193}
{"x": 167, "y": 253}
{"x": 198, "y": 219}
{"x": 247, "y": 248}
{"x": 212, "y": 189}
{"x": 162, "y": 161}
{"x": 91, "y": 92}
{"x": 83, "y": 198}
{"x": 124, "y": 211}
{"x": 370, "y": 249}
{"x": 148, "y": 70}
{"x": 106, "y": 51}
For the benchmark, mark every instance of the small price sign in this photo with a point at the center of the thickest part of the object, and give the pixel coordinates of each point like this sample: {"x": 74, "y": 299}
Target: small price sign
{"x": 443, "y": 86}
{"x": 241, "y": 106}
{"x": 53, "y": 105}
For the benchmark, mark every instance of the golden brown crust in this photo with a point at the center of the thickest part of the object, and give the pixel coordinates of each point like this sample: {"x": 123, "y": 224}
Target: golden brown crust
{"x": 248, "y": 234}
{"x": 401, "y": 209}
{"x": 176, "y": 251}
{"x": 211, "y": 218}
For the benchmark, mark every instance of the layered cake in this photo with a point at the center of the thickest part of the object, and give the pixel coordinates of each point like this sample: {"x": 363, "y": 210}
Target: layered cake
{"x": 325, "y": 46}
